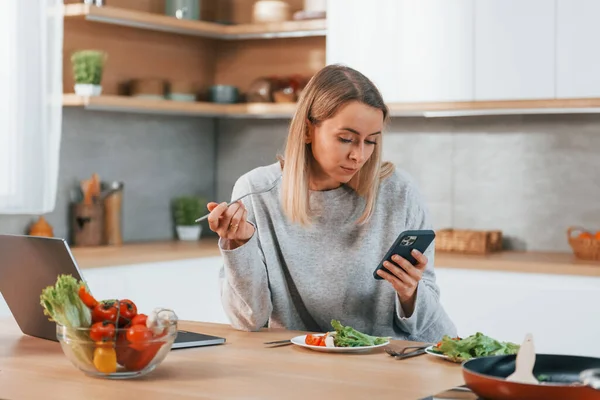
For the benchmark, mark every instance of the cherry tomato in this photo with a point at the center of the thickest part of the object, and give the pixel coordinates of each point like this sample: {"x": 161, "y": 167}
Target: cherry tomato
{"x": 105, "y": 311}
{"x": 139, "y": 336}
{"x": 86, "y": 297}
{"x": 128, "y": 310}
{"x": 139, "y": 319}
{"x": 102, "y": 331}
{"x": 122, "y": 348}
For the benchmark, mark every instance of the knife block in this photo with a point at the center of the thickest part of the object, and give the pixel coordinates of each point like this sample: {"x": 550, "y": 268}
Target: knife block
{"x": 87, "y": 224}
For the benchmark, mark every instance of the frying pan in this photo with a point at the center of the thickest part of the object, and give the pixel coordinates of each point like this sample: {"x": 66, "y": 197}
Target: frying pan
{"x": 561, "y": 377}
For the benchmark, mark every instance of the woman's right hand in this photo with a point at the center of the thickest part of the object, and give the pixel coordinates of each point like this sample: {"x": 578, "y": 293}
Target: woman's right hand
{"x": 230, "y": 222}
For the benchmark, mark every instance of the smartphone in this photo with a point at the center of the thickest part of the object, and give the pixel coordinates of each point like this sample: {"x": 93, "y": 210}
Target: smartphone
{"x": 404, "y": 244}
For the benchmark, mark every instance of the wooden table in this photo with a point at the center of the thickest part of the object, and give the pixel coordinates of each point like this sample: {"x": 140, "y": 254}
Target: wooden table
{"x": 32, "y": 368}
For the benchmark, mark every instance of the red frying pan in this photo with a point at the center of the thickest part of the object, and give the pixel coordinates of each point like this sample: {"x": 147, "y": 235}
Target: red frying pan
{"x": 561, "y": 377}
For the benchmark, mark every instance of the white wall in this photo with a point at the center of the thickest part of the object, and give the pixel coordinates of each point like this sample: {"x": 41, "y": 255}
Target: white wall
{"x": 560, "y": 311}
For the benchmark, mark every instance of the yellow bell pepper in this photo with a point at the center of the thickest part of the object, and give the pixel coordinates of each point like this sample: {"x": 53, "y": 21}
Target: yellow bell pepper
{"x": 105, "y": 358}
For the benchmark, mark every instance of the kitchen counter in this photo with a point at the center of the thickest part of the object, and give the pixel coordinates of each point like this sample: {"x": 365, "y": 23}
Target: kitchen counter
{"x": 507, "y": 261}
{"x": 241, "y": 368}
{"x": 144, "y": 252}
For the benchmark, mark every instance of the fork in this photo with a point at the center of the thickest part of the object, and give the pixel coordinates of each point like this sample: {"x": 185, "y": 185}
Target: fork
{"x": 402, "y": 354}
{"x": 244, "y": 196}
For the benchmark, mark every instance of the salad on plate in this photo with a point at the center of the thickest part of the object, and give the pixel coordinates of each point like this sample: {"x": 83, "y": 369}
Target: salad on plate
{"x": 478, "y": 345}
{"x": 342, "y": 337}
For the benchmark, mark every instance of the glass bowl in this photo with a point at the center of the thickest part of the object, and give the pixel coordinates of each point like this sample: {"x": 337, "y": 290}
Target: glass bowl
{"x": 118, "y": 358}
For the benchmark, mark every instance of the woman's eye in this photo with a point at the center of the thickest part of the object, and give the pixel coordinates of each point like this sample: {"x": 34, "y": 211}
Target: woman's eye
{"x": 369, "y": 142}
{"x": 345, "y": 140}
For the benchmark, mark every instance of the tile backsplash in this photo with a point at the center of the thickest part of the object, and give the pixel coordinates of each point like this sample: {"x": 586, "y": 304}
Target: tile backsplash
{"x": 157, "y": 157}
{"x": 530, "y": 176}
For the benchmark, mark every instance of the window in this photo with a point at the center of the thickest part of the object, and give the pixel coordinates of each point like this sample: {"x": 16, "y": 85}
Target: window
{"x": 31, "y": 33}
{"x": 7, "y": 138}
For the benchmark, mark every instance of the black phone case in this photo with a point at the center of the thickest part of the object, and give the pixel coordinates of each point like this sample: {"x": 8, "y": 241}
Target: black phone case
{"x": 404, "y": 244}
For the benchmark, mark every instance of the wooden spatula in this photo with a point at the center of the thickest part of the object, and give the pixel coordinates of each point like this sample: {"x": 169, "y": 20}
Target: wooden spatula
{"x": 524, "y": 363}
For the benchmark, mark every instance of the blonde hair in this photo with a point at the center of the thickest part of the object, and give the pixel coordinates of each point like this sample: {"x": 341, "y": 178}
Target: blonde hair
{"x": 326, "y": 92}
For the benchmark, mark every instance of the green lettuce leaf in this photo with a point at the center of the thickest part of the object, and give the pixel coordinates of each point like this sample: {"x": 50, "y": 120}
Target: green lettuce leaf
{"x": 477, "y": 345}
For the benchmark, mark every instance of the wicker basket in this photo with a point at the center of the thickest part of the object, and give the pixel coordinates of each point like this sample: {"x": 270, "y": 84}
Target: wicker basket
{"x": 468, "y": 241}
{"x": 584, "y": 248}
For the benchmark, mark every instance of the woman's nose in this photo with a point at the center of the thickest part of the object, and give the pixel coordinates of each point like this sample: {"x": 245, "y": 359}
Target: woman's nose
{"x": 358, "y": 153}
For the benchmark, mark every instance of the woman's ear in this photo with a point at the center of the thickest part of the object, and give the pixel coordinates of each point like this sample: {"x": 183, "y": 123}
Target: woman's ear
{"x": 308, "y": 134}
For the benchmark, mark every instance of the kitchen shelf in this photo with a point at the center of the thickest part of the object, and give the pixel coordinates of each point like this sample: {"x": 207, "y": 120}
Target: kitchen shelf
{"x": 164, "y": 23}
{"x": 152, "y": 106}
{"x": 286, "y": 110}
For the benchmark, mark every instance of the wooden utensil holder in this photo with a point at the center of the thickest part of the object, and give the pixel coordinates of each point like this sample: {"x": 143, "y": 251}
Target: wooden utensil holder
{"x": 87, "y": 224}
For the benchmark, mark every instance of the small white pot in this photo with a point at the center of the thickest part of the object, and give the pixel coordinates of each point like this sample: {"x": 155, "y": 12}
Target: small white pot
{"x": 87, "y": 89}
{"x": 190, "y": 233}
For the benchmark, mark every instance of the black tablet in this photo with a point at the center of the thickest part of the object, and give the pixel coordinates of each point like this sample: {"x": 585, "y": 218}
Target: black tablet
{"x": 187, "y": 339}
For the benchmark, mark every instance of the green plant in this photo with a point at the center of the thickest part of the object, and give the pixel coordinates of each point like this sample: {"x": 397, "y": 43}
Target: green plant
{"x": 88, "y": 66}
{"x": 186, "y": 209}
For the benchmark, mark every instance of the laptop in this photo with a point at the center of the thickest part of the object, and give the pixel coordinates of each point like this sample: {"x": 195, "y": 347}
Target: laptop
{"x": 28, "y": 264}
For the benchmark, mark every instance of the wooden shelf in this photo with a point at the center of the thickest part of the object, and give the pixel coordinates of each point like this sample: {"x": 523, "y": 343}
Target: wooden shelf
{"x": 286, "y": 110}
{"x": 151, "y": 106}
{"x": 164, "y": 23}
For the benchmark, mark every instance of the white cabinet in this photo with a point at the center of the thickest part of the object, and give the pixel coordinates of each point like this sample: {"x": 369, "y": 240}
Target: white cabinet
{"x": 514, "y": 49}
{"x": 464, "y": 50}
{"x": 413, "y": 51}
{"x": 577, "y": 59}
{"x": 560, "y": 311}
{"x": 190, "y": 287}
{"x": 361, "y": 35}
{"x": 435, "y": 47}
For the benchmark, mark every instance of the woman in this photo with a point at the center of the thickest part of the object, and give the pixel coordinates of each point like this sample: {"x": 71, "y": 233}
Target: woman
{"x": 303, "y": 253}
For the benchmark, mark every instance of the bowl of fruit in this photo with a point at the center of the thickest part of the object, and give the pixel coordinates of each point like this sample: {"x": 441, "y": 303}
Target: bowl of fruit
{"x": 585, "y": 243}
{"x": 107, "y": 338}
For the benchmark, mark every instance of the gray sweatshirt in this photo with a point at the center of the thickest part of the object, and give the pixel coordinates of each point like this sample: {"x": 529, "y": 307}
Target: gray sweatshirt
{"x": 301, "y": 278}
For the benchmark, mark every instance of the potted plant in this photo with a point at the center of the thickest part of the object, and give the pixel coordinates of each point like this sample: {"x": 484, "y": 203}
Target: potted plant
{"x": 87, "y": 70}
{"x": 186, "y": 209}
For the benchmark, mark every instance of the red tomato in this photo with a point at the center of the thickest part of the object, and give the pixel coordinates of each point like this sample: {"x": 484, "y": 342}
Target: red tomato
{"x": 315, "y": 340}
{"x": 139, "y": 336}
{"x": 139, "y": 319}
{"x": 102, "y": 331}
{"x": 86, "y": 297}
{"x": 139, "y": 359}
{"x": 128, "y": 310}
{"x": 105, "y": 311}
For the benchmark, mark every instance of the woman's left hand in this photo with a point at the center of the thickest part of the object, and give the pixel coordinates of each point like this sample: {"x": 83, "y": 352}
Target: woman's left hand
{"x": 405, "y": 277}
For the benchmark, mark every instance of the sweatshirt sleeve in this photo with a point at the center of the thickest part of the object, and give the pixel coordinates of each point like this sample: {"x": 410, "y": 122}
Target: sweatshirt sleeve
{"x": 245, "y": 293}
{"x": 429, "y": 321}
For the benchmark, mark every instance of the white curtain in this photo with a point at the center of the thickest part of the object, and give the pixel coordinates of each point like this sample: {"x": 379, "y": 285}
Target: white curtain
{"x": 31, "y": 37}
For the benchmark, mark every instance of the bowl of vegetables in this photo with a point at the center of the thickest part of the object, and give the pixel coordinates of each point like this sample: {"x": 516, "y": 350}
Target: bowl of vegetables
{"x": 107, "y": 338}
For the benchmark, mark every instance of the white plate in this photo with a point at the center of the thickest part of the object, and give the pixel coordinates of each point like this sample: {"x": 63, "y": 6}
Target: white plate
{"x": 301, "y": 341}
{"x": 429, "y": 350}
